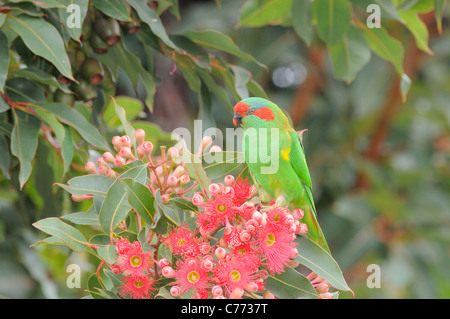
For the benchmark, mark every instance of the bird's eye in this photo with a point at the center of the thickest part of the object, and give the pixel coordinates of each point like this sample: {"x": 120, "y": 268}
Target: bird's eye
{"x": 251, "y": 111}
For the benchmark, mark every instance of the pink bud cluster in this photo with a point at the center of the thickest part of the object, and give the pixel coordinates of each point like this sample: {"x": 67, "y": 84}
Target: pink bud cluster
{"x": 321, "y": 285}
{"x": 168, "y": 173}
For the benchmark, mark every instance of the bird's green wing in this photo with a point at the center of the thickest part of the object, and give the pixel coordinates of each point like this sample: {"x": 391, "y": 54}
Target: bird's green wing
{"x": 298, "y": 162}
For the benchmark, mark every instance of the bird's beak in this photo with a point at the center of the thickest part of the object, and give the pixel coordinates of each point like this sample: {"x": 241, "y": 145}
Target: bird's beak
{"x": 237, "y": 119}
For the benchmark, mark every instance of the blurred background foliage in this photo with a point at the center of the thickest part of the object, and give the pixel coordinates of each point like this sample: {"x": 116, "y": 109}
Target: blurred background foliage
{"x": 379, "y": 162}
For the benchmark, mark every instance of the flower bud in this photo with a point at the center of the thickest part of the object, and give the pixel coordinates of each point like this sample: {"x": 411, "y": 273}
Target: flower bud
{"x": 205, "y": 248}
{"x": 90, "y": 168}
{"x": 268, "y": 295}
{"x": 197, "y": 199}
{"x": 117, "y": 142}
{"x": 215, "y": 148}
{"x": 172, "y": 181}
{"x": 110, "y": 173}
{"x": 165, "y": 199}
{"x": 108, "y": 157}
{"x": 168, "y": 272}
{"x": 184, "y": 180}
{"x": 179, "y": 171}
{"x": 116, "y": 269}
{"x": 237, "y": 293}
{"x": 201, "y": 294}
{"x": 229, "y": 180}
{"x": 101, "y": 162}
{"x": 140, "y": 136}
{"x": 228, "y": 192}
{"x": 298, "y": 213}
{"x": 322, "y": 288}
{"x": 220, "y": 253}
{"x": 217, "y": 291}
{"x": 245, "y": 236}
{"x": 248, "y": 208}
{"x": 214, "y": 189}
{"x": 207, "y": 264}
{"x": 172, "y": 154}
{"x": 257, "y": 216}
{"x": 126, "y": 141}
{"x": 251, "y": 286}
{"x": 302, "y": 229}
{"x": 163, "y": 262}
{"x": 206, "y": 141}
{"x": 147, "y": 147}
{"x": 119, "y": 161}
{"x": 175, "y": 291}
{"x": 125, "y": 152}
{"x": 102, "y": 170}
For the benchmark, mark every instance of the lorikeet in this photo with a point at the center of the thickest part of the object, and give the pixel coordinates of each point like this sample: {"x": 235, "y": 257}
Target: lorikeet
{"x": 285, "y": 177}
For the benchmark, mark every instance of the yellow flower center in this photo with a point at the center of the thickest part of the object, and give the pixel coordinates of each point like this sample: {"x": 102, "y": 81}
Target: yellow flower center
{"x": 270, "y": 239}
{"x": 221, "y": 208}
{"x": 193, "y": 277}
{"x": 235, "y": 275}
{"x": 136, "y": 261}
{"x": 181, "y": 242}
{"x": 138, "y": 283}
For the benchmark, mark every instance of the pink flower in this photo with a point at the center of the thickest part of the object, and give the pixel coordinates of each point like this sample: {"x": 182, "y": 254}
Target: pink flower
{"x": 137, "y": 286}
{"x": 190, "y": 275}
{"x": 207, "y": 223}
{"x": 183, "y": 242}
{"x": 276, "y": 245}
{"x": 221, "y": 207}
{"x": 242, "y": 191}
{"x": 134, "y": 260}
{"x": 234, "y": 273}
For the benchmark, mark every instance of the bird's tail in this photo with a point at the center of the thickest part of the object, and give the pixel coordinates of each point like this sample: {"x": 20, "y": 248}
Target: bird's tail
{"x": 314, "y": 233}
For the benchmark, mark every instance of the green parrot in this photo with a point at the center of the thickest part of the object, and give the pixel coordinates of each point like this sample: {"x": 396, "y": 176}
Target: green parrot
{"x": 274, "y": 153}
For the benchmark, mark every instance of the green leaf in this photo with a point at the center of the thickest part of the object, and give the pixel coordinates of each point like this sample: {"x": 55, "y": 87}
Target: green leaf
{"x": 214, "y": 40}
{"x": 114, "y": 209}
{"x": 22, "y": 90}
{"x": 140, "y": 198}
{"x": 66, "y": 16}
{"x": 333, "y": 19}
{"x": 439, "y": 6}
{"x": 301, "y": 17}
{"x": 42, "y": 39}
{"x": 350, "y": 55}
{"x": 220, "y": 164}
{"x": 97, "y": 185}
{"x": 405, "y": 85}
{"x": 320, "y": 262}
{"x": 24, "y": 142}
{"x": 132, "y": 66}
{"x": 151, "y": 18}
{"x": 418, "y": 29}
{"x": 5, "y": 157}
{"x": 241, "y": 78}
{"x": 3, "y": 105}
{"x": 38, "y": 75}
{"x": 115, "y": 206}
{"x": 116, "y": 9}
{"x": 73, "y": 238}
{"x": 82, "y": 218}
{"x": 195, "y": 168}
{"x": 4, "y": 60}
{"x": 385, "y": 46}
{"x": 166, "y": 214}
{"x": 67, "y": 148}
{"x": 257, "y": 13}
{"x": 73, "y": 118}
{"x": 132, "y": 106}
{"x": 290, "y": 285}
{"x": 108, "y": 253}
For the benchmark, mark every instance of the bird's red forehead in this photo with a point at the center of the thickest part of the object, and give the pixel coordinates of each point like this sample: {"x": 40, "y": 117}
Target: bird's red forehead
{"x": 241, "y": 107}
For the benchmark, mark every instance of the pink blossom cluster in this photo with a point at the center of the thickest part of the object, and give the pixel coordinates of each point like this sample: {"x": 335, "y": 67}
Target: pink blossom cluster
{"x": 250, "y": 243}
